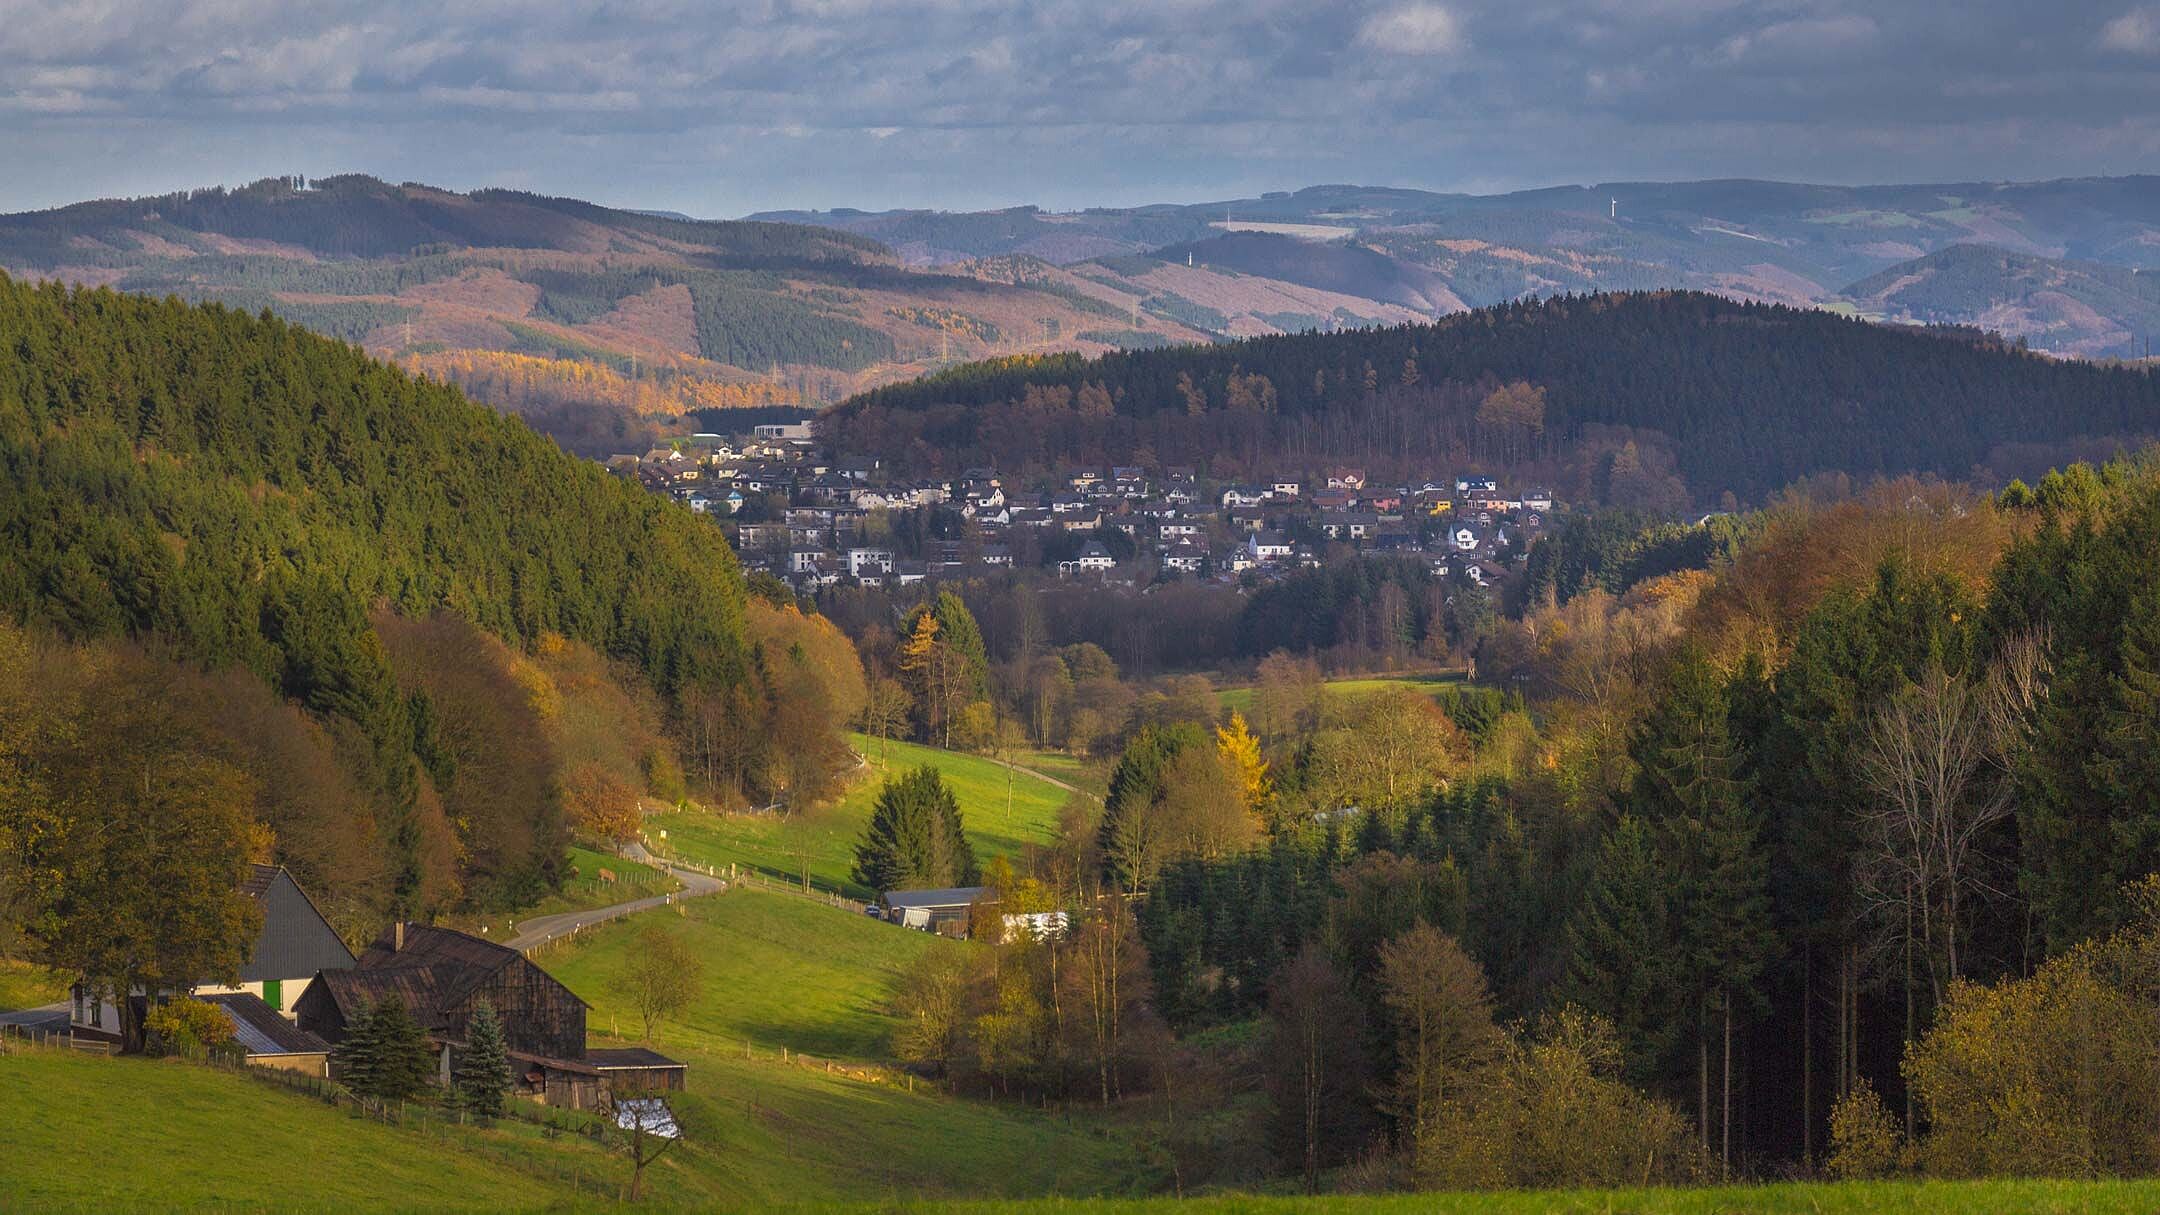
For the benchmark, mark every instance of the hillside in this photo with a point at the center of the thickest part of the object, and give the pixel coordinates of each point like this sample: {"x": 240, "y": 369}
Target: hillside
{"x": 604, "y": 326}
{"x": 198, "y": 1138}
{"x": 825, "y": 836}
{"x": 380, "y": 592}
{"x": 1773, "y": 241}
{"x": 1652, "y": 399}
{"x": 2058, "y": 304}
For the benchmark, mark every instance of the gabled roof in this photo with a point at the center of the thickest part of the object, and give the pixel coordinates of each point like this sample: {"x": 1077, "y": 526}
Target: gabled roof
{"x": 454, "y": 962}
{"x": 296, "y": 939}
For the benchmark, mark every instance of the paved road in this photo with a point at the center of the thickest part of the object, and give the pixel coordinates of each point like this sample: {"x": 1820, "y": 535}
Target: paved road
{"x": 547, "y": 927}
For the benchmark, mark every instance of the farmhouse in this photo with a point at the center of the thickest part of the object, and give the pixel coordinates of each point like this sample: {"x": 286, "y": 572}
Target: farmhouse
{"x": 441, "y": 975}
{"x": 293, "y": 946}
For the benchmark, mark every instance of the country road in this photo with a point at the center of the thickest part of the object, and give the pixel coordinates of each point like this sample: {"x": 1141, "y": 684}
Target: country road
{"x": 547, "y": 927}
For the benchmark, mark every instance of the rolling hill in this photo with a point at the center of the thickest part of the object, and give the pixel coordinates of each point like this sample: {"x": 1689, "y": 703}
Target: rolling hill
{"x": 2075, "y": 307}
{"x": 604, "y": 327}
{"x": 1771, "y": 241}
{"x": 1655, "y": 400}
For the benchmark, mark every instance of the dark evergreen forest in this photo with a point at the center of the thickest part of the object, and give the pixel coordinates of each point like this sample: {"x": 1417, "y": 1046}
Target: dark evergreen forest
{"x": 1735, "y": 397}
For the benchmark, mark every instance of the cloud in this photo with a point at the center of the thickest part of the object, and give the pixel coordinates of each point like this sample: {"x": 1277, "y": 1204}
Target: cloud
{"x": 739, "y": 105}
{"x": 1413, "y": 29}
{"x": 2136, "y": 32}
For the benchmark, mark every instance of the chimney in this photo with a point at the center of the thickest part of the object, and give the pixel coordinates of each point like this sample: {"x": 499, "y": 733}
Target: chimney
{"x": 397, "y": 937}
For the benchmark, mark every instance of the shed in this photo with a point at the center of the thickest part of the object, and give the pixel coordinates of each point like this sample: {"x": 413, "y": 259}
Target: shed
{"x": 634, "y": 1069}
{"x": 931, "y": 909}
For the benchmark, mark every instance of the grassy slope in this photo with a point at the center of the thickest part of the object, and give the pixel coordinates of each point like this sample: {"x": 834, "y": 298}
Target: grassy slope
{"x": 24, "y": 985}
{"x": 1241, "y": 699}
{"x": 764, "y": 842}
{"x": 782, "y": 971}
{"x": 586, "y": 890}
{"x": 1091, "y": 775}
{"x": 86, "y": 1132}
{"x": 1851, "y": 1198}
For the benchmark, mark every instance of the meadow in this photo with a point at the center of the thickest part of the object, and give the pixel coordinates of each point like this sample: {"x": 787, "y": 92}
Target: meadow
{"x": 790, "y": 1097}
{"x": 1241, "y": 699}
{"x": 88, "y": 1132}
{"x": 823, "y": 838}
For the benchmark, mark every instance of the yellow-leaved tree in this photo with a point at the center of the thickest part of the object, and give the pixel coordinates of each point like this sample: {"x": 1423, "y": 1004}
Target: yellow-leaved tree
{"x": 1240, "y": 752}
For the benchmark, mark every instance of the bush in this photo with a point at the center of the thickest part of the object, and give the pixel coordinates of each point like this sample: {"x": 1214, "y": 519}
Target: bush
{"x": 1865, "y": 1141}
{"x": 1554, "y": 1113}
{"x": 189, "y": 1028}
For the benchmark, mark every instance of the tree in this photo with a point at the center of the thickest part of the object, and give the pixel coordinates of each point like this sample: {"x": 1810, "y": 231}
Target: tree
{"x": 1134, "y": 838}
{"x": 886, "y": 707}
{"x": 482, "y": 1081}
{"x": 647, "y": 1127}
{"x": 1107, "y": 966}
{"x": 929, "y": 1004}
{"x": 385, "y": 1055}
{"x": 1316, "y": 1066}
{"x": 130, "y": 836}
{"x": 660, "y": 977}
{"x": 915, "y": 839}
{"x": 1240, "y": 752}
{"x": 1435, "y": 995}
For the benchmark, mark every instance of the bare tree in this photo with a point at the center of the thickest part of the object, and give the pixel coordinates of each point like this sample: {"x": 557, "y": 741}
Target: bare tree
{"x": 1935, "y": 758}
{"x": 662, "y": 977}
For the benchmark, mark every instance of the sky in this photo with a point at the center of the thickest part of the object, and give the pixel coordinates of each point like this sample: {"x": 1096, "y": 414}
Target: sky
{"x": 719, "y": 109}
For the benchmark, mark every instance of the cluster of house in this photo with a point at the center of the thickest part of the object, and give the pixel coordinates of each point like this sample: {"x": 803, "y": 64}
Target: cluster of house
{"x": 301, "y": 988}
{"x": 1167, "y": 522}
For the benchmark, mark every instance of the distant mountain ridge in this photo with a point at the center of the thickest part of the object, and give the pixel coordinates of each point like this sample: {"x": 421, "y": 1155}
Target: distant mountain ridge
{"x": 1773, "y": 241}
{"x": 2077, "y": 307}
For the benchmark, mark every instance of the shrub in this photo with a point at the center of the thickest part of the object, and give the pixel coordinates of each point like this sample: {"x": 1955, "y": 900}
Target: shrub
{"x": 1865, "y": 1141}
{"x": 188, "y": 1028}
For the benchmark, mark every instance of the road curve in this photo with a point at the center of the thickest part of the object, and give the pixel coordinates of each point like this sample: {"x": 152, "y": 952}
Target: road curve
{"x": 547, "y": 927}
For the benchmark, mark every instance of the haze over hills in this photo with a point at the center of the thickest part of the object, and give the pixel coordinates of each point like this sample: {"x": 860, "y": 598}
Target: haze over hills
{"x": 1781, "y": 242}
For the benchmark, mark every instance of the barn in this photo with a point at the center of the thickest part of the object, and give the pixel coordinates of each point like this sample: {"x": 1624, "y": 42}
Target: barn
{"x": 441, "y": 975}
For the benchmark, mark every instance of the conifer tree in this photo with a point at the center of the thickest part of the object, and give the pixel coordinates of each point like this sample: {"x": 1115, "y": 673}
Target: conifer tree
{"x": 483, "y": 1075}
{"x": 916, "y": 838}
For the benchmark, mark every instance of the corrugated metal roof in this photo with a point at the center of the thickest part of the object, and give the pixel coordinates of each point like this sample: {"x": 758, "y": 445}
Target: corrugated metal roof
{"x": 950, "y": 896}
{"x": 261, "y": 1031}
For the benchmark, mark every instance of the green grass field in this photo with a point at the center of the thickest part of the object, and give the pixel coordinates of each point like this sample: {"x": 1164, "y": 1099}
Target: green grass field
{"x": 787, "y": 972}
{"x": 1850, "y": 1198}
{"x": 1241, "y": 699}
{"x": 24, "y": 985}
{"x": 1089, "y": 775}
{"x": 769, "y": 843}
{"x": 91, "y": 1133}
{"x": 632, "y": 881}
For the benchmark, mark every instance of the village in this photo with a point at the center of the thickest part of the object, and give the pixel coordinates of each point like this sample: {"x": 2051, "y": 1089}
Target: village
{"x": 794, "y": 511}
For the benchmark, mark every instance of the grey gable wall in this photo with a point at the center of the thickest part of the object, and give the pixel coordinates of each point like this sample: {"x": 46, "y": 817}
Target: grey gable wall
{"x": 296, "y": 941}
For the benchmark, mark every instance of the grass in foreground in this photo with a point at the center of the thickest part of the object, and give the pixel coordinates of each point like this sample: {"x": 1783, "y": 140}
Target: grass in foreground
{"x": 787, "y": 972}
{"x": 1797, "y": 1198}
{"x": 88, "y": 1132}
{"x": 774, "y": 844}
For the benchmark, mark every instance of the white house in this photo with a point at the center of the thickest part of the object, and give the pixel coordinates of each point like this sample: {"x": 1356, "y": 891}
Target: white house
{"x": 867, "y": 561}
{"x": 1265, "y": 547}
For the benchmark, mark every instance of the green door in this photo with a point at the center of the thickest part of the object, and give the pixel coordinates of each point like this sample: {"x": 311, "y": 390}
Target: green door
{"x": 274, "y": 994}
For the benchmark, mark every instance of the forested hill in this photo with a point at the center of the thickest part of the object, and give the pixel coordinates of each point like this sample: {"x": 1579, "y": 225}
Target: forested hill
{"x": 606, "y": 329}
{"x": 355, "y": 216}
{"x": 241, "y": 494}
{"x": 1655, "y": 399}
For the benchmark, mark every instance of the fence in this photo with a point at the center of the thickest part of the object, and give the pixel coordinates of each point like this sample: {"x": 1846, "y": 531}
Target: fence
{"x": 58, "y": 1039}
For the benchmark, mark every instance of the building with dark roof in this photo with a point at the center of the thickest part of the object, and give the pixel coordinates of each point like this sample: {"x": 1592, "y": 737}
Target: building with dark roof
{"x": 294, "y": 944}
{"x": 441, "y": 975}
{"x": 268, "y": 1039}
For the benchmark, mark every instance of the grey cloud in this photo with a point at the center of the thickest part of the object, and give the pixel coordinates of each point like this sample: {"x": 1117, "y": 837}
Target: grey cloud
{"x": 718, "y": 109}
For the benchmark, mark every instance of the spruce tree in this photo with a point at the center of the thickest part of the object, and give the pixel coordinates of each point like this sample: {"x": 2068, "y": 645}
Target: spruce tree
{"x": 404, "y": 1061}
{"x": 916, "y": 838}
{"x": 483, "y": 1075}
{"x": 358, "y": 1059}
